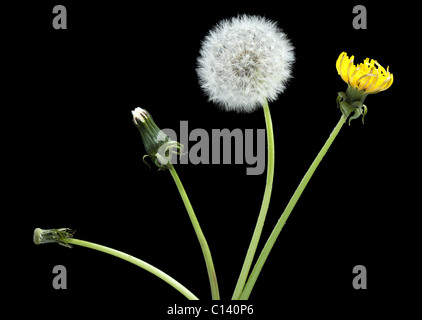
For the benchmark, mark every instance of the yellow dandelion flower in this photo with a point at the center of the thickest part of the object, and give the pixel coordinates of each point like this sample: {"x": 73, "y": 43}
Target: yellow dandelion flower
{"x": 369, "y": 76}
{"x": 365, "y": 78}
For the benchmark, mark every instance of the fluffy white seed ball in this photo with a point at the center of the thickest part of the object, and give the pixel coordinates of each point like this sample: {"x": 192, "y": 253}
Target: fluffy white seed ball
{"x": 243, "y": 61}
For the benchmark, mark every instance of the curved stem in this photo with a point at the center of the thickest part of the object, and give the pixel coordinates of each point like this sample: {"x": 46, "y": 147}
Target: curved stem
{"x": 144, "y": 265}
{"x": 202, "y": 241}
{"x": 279, "y": 226}
{"x": 264, "y": 206}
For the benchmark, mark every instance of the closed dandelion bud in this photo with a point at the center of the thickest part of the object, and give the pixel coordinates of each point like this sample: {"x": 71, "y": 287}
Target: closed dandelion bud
{"x": 363, "y": 79}
{"x": 244, "y": 62}
{"x": 53, "y": 235}
{"x": 158, "y": 145}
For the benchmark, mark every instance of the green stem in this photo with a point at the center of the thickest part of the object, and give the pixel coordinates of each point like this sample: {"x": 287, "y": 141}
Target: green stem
{"x": 264, "y": 206}
{"x": 279, "y": 226}
{"x": 146, "y": 266}
{"x": 202, "y": 241}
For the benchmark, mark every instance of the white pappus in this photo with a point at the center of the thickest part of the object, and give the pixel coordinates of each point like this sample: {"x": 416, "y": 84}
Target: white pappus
{"x": 244, "y": 61}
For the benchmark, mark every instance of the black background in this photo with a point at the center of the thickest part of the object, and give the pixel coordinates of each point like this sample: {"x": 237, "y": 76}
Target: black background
{"x": 79, "y": 160}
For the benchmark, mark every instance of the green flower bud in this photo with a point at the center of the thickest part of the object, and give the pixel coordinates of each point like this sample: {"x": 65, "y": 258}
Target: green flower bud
{"x": 53, "y": 235}
{"x": 158, "y": 145}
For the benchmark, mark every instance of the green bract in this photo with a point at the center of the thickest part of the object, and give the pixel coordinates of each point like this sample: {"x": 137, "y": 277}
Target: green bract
{"x": 352, "y": 102}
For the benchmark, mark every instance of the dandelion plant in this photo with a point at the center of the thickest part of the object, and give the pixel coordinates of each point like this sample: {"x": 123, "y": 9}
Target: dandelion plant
{"x": 244, "y": 63}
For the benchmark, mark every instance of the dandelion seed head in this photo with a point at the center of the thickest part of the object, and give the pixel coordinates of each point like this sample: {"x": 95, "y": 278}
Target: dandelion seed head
{"x": 244, "y": 61}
